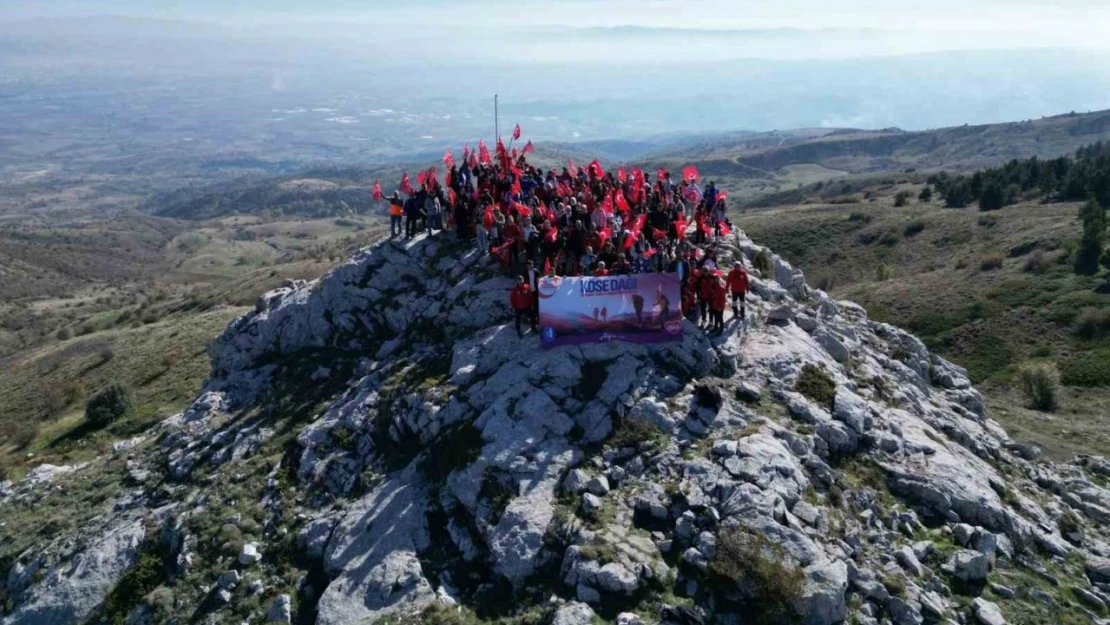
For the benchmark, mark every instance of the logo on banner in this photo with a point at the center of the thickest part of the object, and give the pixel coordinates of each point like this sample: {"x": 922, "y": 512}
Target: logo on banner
{"x": 674, "y": 326}
{"x": 548, "y": 334}
{"x": 549, "y": 286}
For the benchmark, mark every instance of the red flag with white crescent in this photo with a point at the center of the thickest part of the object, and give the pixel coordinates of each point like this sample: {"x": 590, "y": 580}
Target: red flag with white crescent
{"x": 690, "y": 173}
{"x": 622, "y": 176}
{"x": 483, "y": 153}
{"x": 516, "y": 132}
{"x": 528, "y": 147}
{"x": 661, "y": 174}
{"x": 406, "y": 183}
{"x": 377, "y": 190}
{"x": 449, "y": 159}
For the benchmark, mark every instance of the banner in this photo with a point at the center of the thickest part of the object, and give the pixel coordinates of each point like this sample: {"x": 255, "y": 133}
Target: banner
{"x": 641, "y": 308}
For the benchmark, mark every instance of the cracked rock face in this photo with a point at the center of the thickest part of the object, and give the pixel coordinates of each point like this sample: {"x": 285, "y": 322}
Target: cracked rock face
{"x": 443, "y": 461}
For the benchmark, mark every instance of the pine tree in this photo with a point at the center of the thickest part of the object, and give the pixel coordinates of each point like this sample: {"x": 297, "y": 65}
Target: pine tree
{"x": 1087, "y": 257}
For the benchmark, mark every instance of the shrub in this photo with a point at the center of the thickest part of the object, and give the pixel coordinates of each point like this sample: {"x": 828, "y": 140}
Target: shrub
{"x": 815, "y": 383}
{"x": 988, "y": 221}
{"x": 1037, "y": 262}
{"x": 1090, "y": 369}
{"x": 963, "y": 263}
{"x": 109, "y": 404}
{"x": 1092, "y": 322}
{"x": 845, "y": 199}
{"x": 1039, "y": 382}
{"x": 1087, "y": 256}
{"x": 883, "y": 272}
{"x": 762, "y": 571}
{"x": 990, "y": 262}
{"x": 825, "y": 282}
{"x": 926, "y": 194}
{"x": 763, "y": 262}
{"x": 64, "y": 334}
{"x": 901, "y": 199}
{"x": 914, "y": 228}
{"x": 860, "y": 217}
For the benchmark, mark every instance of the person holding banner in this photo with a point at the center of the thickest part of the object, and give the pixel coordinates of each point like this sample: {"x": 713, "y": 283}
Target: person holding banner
{"x": 521, "y": 300}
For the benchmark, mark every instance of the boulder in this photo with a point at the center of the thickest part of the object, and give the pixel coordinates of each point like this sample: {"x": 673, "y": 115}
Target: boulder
{"x": 987, "y": 613}
{"x": 574, "y": 614}
{"x": 969, "y": 565}
{"x": 281, "y": 610}
{"x": 822, "y": 601}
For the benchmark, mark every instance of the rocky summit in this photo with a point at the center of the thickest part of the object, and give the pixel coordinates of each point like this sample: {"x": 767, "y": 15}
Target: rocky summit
{"x": 379, "y": 446}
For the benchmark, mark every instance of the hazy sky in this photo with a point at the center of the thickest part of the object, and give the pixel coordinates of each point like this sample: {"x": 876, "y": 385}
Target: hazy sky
{"x": 953, "y": 24}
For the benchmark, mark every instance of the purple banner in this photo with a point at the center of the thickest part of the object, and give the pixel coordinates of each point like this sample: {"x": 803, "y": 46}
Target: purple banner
{"x": 642, "y": 308}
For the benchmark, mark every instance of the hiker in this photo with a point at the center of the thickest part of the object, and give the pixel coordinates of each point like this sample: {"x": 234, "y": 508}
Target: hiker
{"x": 738, "y": 288}
{"x": 396, "y": 212}
{"x": 412, "y": 216}
{"x": 705, "y": 294}
{"x": 532, "y": 277}
{"x": 718, "y": 302}
{"x": 433, "y": 218}
{"x": 521, "y": 300}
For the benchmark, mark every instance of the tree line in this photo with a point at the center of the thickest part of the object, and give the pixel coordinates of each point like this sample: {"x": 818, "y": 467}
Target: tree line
{"x": 1065, "y": 179}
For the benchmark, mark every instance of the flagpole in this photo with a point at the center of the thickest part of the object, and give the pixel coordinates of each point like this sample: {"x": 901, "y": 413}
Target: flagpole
{"x": 496, "y": 124}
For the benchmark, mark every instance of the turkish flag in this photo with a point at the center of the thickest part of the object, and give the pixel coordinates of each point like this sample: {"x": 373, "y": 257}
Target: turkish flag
{"x": 421, "y": 178}
{"x": 725, "y": 230}
{"x": 473, "y": 162}
{"x": 466, "y": 152}
{"x": 571, "y": 167}
{"x": 487, "y": 218}
{"x": 377, "y": 190}
{"x": 622, "y": 176}
{"x": 722, "y": 195}
{"x": 680, "y": 226}
{"x": 528, "y": 147}
{"x": 451, "y": 197}
{"x": 483, "y": 153}
{"x": 604, "y": 235}
{"x": 552, "y": 235}
{"x": 622, "y": 202}
{"x": 690, "y": 173}
{"x": 658, "y": 234}
{"x": 595, "y": 169}
{"x": 406, "y": 184}
{"x": 523, "y": 210}
{"x": 516, "y": 132}
{"x": 502, "y": 252}
{"x": 661, "y": 174}
{"x": 449, "y": 159}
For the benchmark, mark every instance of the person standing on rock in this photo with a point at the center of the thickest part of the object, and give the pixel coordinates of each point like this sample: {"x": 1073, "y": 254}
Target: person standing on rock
{"x": 718, "y": 302}
{"x": 396, "y": 212}
{"x": 532, "y": 277}
{"x": 521, "y": 300}
{"x": 738, "y": 287}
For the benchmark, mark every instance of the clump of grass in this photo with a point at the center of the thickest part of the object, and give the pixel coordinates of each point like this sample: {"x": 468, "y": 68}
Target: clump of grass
{"x": 1039, "y": 383}
{"x": 988, "y": 221}
{"x": 760, "y": 568}
{"x": 860, "y": 217}
{"x": 883, "y": 272}
{"x": 815, "y": 383}
{"x": 1089, "y": 370}
{"x": 845, "y": 199}
{"x": 990, "y": 262}
{"x": 631, "y": 432}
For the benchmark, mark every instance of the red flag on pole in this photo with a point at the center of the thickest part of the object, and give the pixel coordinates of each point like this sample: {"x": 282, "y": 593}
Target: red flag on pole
{"x": 473, "y": 162}
{"x": 595, "y": 169}
{"x": 451, "y": 197}
{"x": 552, "y": 235}
{"x": 528, "y": 147}
{"x": 523, "y": 210}
{"x": 516, "y": 132}
{"x": 406, "y": 184}
{"x": 604, "y": 235}
{"x": 680, "y": 226}
{"x": 377, "y": 190}
{"x": 421, "y": 178}
{"x": 571, "y": 167}
{"x": 725, "y": 230}
{"x": 661, "y": 174}
{"x": 483, "y": 153}
{"x": 466, "y": 152}
{"x": 690, "y": 173}
{"x": 449, "y": 159}
{"x": 622, "y": 176}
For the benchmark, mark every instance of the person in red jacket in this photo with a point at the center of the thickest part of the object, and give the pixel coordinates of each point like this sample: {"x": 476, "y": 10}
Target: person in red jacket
{"x": 718, "y": 301}
{"x": 601, "y": 271}
{"x": 521, "y": 300}
{"x": 738, "y": 287}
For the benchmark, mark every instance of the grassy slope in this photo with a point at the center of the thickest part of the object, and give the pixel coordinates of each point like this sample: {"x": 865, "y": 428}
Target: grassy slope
{"x": 152, "y": 334}
{"x": 989, "y": 320}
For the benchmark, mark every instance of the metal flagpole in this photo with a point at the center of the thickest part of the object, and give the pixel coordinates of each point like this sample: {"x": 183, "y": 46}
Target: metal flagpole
{"x": 496, "y": 124}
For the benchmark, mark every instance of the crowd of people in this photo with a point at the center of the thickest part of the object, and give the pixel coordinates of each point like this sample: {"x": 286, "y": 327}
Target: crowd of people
{"x": 580, "y": 221}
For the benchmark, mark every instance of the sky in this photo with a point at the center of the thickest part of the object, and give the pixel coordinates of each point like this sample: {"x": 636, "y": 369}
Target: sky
{"x": 890, "y": 26}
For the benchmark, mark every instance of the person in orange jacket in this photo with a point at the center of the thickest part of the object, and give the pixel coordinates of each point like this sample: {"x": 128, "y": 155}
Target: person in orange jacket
{"x": 738, "y": 287}
{"x": 521, "y": 300}
{"x": 718, "y": 301}
{"x": 396, "y": 212}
